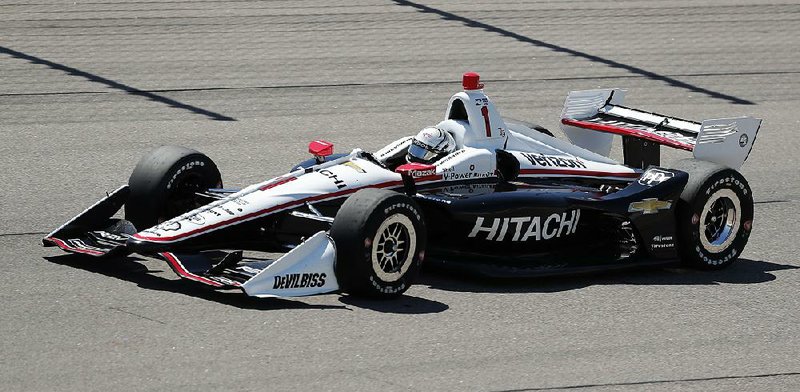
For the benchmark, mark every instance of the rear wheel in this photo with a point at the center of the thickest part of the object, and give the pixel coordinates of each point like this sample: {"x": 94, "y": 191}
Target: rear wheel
{"x": 380, "y": 242}
{"x": 164, "y": 183}
{"x": 715, "y": 215}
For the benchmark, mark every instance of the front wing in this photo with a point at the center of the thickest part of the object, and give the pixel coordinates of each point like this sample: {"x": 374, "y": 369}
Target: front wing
{"x": 307, "y": 269}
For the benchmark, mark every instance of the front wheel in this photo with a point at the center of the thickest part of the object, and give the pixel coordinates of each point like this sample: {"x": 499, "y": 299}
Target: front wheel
{"x": 380, "y": 242}
{"x": 715, "y": 215}
{"x": 165, "y": 182}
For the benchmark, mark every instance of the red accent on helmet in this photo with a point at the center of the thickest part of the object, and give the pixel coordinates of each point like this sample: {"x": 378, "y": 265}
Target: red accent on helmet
{"x": 471, "y": 81}
{"x": 320, "y": 148}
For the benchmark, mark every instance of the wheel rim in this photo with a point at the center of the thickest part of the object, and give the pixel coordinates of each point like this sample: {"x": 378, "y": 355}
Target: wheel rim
{"x": 720, "y": 220}
{"x": 393, "y": 248}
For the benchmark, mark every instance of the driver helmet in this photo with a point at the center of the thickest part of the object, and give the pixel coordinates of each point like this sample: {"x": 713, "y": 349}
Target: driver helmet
{"x": 430, "y": 145}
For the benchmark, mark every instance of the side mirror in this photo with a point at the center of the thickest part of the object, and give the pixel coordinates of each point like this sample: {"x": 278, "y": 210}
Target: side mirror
{"x": 416, "y": 170}
{"x": 410, "y": 171}
{"x": 320, "y": 149}
{"x": 507, "y": 166}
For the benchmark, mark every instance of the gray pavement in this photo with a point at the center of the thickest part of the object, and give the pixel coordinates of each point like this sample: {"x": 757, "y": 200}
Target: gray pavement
{"x": 88, "y": 87}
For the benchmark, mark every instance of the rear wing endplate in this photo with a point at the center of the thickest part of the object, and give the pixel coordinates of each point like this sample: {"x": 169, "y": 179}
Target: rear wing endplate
{"x": 590, "y": 118}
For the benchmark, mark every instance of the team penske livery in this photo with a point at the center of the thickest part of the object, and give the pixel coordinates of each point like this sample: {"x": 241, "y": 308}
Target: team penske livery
{"x": 475, "y": 191}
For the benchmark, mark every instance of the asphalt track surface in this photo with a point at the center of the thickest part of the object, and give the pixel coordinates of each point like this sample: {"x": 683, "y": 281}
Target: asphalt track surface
{"x": 87, "y": 87}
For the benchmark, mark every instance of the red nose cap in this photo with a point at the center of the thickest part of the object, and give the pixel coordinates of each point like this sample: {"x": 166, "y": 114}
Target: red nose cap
{"x": 472, "y": 81}
{"x": 320, "y": 148}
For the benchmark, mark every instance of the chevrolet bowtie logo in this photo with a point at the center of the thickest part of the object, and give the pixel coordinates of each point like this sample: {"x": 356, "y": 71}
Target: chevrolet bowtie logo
{"x": 649, "y": 206}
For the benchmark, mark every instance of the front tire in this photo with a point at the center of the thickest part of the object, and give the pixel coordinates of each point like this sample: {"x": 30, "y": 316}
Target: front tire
{"x": 380, "y": 242}
{"x": 164, "y": 183}
{"x": 714, "y": 215}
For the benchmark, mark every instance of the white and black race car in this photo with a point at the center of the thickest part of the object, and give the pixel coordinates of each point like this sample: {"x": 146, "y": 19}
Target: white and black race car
{"x": 509, "y": 200}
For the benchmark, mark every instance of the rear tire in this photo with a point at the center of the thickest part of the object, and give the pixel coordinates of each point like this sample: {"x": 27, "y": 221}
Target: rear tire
{"x": 714, "y": 215}
{"x": 380, "y": 242}
{"x": 164, "y": 183}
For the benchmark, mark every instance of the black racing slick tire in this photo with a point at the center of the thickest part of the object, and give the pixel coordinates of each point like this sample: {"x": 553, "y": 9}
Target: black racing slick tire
{"x": 714, "y": 215}
{"x": 164, "y": 183}
{"x": 380, "y": 242}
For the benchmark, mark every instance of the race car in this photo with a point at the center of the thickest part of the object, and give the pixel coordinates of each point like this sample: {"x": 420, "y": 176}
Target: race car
{"x": 476, "y": 192}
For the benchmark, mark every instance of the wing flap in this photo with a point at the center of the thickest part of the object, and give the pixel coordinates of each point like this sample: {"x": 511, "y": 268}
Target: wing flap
{"x": 95, "y": 243}
{"x": 726, "y": 141}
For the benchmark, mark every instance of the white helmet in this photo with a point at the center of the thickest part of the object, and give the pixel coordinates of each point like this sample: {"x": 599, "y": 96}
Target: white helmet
{"x": 429, "y": 145}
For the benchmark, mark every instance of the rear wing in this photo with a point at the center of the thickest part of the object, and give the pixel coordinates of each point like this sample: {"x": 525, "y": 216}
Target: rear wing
{"x": 725, "y": 141}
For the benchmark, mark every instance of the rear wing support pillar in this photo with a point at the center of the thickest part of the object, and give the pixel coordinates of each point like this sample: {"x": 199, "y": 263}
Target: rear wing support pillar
{"x": 640, "y": 153}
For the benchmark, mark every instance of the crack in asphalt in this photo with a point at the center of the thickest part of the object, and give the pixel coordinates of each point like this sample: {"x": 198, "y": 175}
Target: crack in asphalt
{"x": 24, "y": 233}
{"x": 136, "y": 315}
{"x": 774, "y": 201}
{"x": 652, "y": 382}
{"x": 405, "y": 83}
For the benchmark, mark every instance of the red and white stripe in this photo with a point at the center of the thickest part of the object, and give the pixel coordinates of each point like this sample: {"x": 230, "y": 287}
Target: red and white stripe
{"x": 69, "y": 248}
{"x": 277, "y": 182}
{"x": 256, "y": 214}
{"x": 578, "y": 173}
{"x": 628, "y": 132}
{"x": 176, "y": 265}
